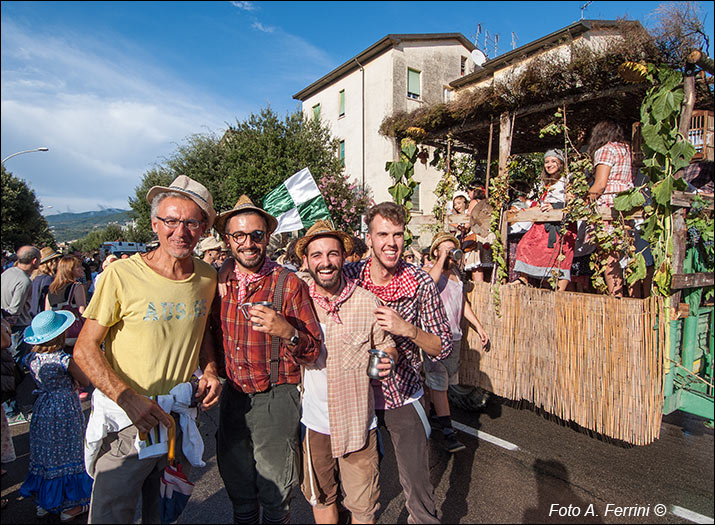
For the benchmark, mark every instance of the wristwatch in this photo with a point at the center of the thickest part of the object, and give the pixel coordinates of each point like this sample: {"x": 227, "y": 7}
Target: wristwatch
{"x": 294, "y": 339}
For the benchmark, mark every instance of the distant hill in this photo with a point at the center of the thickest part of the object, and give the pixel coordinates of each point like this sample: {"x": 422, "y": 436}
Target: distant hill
{"x": 73, "y": 226}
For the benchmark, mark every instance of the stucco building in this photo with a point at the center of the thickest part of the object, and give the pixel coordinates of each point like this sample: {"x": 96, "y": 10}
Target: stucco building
{"x": 397, "y": 73}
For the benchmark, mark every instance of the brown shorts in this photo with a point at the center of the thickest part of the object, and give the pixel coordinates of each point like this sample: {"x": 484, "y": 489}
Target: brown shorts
{"x": 357, "y": 473}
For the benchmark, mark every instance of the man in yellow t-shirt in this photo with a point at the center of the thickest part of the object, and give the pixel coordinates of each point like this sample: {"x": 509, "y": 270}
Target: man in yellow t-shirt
{"x": 150, "y": 311}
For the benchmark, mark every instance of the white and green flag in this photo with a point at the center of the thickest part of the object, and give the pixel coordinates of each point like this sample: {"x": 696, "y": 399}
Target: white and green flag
{"x": 297, "y": 203}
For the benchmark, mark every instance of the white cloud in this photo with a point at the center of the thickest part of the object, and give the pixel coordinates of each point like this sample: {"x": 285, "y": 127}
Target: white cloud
{"x": 246, "y": 6}
{"x": 106, "y": 116}
{"x": 261, "y": 27}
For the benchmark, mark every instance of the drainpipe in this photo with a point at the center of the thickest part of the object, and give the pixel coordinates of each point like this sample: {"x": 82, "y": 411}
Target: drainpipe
{"x": 362, "y": 71}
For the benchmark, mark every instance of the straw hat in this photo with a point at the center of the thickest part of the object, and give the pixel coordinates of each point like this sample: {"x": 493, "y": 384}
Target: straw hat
{"x": 245, "y": 204}
{"x": 47, "y": 325}
{"x": 323, "y": 228}
{"x": 211, "y": 243}
{"x": 439, "y": 239}
{"x": 191, "y": 189}
{"x": 47, "y": 254}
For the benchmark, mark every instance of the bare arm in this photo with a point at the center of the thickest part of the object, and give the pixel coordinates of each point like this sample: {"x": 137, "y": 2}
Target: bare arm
{"x": 143, "y": 412}
{"x": 474, "y": 321}
{"x": 209, "y": 384}
{"x": 77, "y": 374}
{"x": 600, "y": 181}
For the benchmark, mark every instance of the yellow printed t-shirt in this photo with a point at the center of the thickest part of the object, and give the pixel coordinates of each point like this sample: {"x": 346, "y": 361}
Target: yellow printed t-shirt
{"x": 156, "y": 324}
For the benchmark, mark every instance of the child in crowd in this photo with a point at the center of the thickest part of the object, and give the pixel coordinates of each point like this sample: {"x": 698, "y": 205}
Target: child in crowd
{"x": 57, "y": 479}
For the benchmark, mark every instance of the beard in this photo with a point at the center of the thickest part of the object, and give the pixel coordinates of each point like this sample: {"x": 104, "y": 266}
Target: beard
{"x": 251, "y": 259}
{"x": 330, "y": 284}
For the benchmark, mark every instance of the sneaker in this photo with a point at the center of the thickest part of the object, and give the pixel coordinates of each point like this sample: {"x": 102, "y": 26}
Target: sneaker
{"x": 41, "y": 513}
{"x": 451, "y": 443}
{"x": 17, "y": 419}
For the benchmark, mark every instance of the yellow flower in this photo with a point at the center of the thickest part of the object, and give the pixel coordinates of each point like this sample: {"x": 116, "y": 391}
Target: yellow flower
{"x": 633, "y": 72}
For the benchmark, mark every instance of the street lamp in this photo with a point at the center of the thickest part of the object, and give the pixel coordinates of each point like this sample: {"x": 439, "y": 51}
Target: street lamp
{"x": 21, "y": 152}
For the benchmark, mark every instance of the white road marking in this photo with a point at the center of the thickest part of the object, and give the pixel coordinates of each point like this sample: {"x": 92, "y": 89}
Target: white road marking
{"x": 484, "y": 436}
{"x": 690, "y": 515}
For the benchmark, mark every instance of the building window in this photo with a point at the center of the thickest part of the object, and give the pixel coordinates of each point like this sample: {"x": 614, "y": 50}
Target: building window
{"x": 416, "y": 198}
{"x": 316, "y": 112}
{"x": 413, "y": 84}
{"x": 341, "y": 103}
{"x": 463, "y": 66}
{"x": 447, "y": 94}
{"x": 342, "y": 153}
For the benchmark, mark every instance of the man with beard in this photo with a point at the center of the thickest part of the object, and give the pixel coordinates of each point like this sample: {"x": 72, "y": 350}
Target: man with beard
{"x": 264, "y": 344}
{"x": 414, "y": 315}
{"x": 340, "y": 446}
{"x": 149, "y": 312}
{"x": 440, "y": 374}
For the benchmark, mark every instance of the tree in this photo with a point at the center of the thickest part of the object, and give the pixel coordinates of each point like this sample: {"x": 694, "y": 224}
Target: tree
{"x": 22, "y": 222}
{"x": 253, "y": 157}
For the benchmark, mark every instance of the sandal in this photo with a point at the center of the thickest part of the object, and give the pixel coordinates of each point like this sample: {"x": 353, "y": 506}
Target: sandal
{"x": 70, "y": 514}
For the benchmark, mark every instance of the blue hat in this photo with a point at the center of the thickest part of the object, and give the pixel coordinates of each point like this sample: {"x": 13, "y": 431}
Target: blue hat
{"x": 47, "y": 325}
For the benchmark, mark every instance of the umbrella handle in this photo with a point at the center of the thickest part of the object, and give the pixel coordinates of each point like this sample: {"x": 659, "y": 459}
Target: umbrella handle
{"x": 171, "y": 432}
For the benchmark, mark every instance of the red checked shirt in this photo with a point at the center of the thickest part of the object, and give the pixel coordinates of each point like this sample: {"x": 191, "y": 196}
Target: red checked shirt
{"x": 417, "y": 301}
{"x": 247, "y": 351}
{"x": 618, "y": 156}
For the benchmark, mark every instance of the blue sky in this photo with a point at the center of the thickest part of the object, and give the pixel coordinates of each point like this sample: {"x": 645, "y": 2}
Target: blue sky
{"x": 111, "y": 88}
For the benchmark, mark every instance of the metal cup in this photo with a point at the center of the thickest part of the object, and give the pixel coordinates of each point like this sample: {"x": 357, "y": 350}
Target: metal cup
{"x": 245, "y": 307}
{"x": 456, "y": 254}
{"x": 375, "y": 356}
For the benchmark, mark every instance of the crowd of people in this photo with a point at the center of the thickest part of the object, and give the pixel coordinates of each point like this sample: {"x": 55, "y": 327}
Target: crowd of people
{"x": 310, "y": 351}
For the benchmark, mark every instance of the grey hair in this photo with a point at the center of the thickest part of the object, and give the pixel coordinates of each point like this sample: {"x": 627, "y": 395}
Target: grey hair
{"x": 26, "y": 254}
{"x": 163, "y": 195}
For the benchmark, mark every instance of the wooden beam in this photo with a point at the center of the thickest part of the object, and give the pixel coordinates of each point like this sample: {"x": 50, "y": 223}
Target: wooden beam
{"x": 536, "y": 215}
{"x": 680, "y": 281}
{"x": 685, "y": 200}
{"x": 705, "y": 62}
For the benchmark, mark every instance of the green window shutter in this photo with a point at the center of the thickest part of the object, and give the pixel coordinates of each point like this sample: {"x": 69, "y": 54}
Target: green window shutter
{"x": 341, "y": 103}
{"x": 316, "y": 112}
{"x": 413, "y": 83}
{"x": 342, "y": 152}
{"x": 416, "y": 198}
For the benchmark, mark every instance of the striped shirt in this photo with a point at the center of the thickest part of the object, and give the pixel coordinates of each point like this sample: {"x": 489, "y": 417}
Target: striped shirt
{"x": 247, "y": 351}
{"x": 423, "y": 309}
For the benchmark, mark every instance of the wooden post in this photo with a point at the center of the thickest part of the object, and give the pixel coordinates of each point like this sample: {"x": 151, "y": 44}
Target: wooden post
{"x": 505, "y": 130}
{"x": 679, "y": 248}
{"x": 489, "y": 156}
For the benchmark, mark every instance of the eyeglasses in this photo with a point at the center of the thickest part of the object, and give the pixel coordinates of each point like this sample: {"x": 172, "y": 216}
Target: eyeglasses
{"x": 191, "y": 224}
{"x": 240, "y": 237}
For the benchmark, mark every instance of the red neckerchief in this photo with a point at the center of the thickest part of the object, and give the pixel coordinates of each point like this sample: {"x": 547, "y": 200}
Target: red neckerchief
{"x": 333, "y": 306}
{"x": 246, "y": 279}
{"x": 402, "y": 284}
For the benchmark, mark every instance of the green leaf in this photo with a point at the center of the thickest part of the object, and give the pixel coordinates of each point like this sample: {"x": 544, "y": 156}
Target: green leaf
{"x": 653, "y": 139}
{"x": 649, "y": 227}
{"x": 410, "y": 150}
{"x": 662, "y": 190}
{"x": 397, "y": 171}
{"x": 661, "y": 279}
{"x": 681, "y": 152}
{"x": 637, "y": 199}
{"x": 639, "y": 270}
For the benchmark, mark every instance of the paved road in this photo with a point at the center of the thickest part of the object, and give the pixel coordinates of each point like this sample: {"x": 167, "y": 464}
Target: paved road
{"x": 547, "y": 466}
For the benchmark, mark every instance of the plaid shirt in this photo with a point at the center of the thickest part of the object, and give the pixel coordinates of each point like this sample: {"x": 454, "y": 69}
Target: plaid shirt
{"x": 618, "y": 157}
{"x": 351, "y": 403}
{"x": 247, "y": 351}
{"x": 423, "y": 309}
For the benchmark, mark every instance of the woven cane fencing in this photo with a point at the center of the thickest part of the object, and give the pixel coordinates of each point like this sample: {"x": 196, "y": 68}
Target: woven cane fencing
{"x": 591, "y": 359}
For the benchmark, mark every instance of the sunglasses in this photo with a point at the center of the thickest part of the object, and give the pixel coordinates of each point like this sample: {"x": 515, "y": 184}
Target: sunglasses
{"x": 240, "y": 237}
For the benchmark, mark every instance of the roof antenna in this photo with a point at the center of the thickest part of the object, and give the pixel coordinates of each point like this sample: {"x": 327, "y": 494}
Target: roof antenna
{"x": 496, "y": 43}
{"x": 476, "y": 38}
{"x": 584, "y": 6}
{"x": 514, "y": 38}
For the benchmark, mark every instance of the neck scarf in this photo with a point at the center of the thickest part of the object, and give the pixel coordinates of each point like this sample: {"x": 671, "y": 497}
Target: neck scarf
{"x": 402, "y": 284}
{"x": 333, "y": 306}
{"x": 246, "y": 279}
